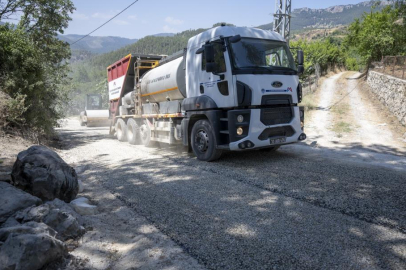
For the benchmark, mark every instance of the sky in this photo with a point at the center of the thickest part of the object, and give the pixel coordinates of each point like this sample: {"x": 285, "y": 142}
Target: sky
{"x": 148, "y": 17}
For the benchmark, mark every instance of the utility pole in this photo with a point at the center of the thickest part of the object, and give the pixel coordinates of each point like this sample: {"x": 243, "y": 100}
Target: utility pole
{"x": 282, "y": 18}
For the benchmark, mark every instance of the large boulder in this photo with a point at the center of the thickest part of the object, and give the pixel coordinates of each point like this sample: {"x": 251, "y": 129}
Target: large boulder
{"x": 29, "y": 246}
{"x": 41, "y": 172}
{"x": 65, "y": 224}
{"x": 13, "y": 200}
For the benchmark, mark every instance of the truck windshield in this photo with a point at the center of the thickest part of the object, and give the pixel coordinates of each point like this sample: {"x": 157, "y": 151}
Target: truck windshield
{"x": 252, "y": 53}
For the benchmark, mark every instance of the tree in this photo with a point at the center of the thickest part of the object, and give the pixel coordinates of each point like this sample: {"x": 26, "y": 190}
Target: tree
{"x": 379, "y": 34}
{"x": 33, "y": 60}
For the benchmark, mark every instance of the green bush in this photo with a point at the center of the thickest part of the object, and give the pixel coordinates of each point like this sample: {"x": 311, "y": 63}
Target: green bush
{"x": 33, "y": 68}
{"x": 351, "y": 64}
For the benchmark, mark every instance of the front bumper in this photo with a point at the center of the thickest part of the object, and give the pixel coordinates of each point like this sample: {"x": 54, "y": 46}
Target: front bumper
{"x": 259, "y": 134}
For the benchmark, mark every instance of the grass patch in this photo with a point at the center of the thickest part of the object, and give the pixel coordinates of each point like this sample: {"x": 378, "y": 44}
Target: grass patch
{"x": 340, "y": 109}
{"x": 308, "y": 102}
{"x": 341, "y": 127}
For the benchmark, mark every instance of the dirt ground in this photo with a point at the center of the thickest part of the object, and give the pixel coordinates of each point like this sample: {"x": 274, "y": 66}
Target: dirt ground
{"x": 349, "y": 114}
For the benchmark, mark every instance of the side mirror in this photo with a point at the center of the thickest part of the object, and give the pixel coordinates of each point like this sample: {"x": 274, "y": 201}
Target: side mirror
{"x": 210, "y": 67}
{"x": 300, "y": 57}
{"x": 209, "y": 53}
{"x": 300, "y": 69}
{"x": 200, "y": 50}
{"x": 235, "y": 39}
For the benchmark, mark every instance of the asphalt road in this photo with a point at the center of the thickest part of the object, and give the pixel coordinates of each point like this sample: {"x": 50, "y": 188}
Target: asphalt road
{"x": 299, "y": 208}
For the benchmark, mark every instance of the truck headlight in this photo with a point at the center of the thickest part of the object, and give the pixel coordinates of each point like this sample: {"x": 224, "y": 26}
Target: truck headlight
{"x": 240, "y": 131}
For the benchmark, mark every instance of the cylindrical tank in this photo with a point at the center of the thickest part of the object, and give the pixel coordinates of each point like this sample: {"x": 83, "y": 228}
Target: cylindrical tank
{"x": 163, "y": 82}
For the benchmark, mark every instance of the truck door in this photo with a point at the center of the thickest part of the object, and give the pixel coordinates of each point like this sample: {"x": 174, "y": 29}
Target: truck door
{"x": 219, "y": 84}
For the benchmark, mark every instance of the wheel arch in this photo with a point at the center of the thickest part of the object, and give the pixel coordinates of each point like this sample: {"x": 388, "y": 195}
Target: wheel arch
{"x": 213, "y": 116}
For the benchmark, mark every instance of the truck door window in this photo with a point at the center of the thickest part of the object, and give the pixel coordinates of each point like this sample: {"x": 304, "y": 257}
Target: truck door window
{"x": 218, "y": 59}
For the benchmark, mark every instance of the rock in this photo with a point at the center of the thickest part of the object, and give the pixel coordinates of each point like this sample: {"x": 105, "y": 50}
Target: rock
{"x": 82, "y": 206}
{"x": 66, "y": 207}
{"x": 81, "y": 188}
{"x": 81, "y": 169}
{"x": 13, "y": 200}
{"x": 29, "y": 246}
{"x": 41, "y": 172}
{"x": 66, "y": 225}
{"x": 10, "y": 222}
{"x": 5, "y": 177}
{"x": 27, "y": 228}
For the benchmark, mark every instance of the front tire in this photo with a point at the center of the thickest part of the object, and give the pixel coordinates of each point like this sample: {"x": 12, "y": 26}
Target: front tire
{"x": 121, "y": 129}
{"x": 203, "y": 141}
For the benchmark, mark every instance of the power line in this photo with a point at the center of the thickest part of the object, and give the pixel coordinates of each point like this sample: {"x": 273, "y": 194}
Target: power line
{"x": 104, "y": 23}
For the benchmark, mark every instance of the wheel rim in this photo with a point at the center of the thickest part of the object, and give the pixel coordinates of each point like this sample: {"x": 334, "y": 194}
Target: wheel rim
{"x": 201, "y": 141}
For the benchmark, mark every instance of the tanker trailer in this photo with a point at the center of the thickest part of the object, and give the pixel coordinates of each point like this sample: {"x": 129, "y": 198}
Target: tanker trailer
{"x": 231, "y": 88}
{"x": 93, "y": 115}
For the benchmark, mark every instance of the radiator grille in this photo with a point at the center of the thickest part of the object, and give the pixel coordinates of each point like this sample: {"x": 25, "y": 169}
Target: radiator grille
{"x": 276, "y": 115}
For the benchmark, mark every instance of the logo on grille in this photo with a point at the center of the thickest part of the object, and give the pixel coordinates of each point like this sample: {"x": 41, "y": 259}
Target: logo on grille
{"x": 277, "y": 84}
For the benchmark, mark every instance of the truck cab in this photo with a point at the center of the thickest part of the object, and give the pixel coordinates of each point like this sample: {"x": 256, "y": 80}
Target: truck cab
{"x": 245, "y": 84}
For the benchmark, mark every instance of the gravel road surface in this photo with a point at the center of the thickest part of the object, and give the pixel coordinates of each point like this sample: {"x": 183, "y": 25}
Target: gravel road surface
{"x": 302, "y": 207}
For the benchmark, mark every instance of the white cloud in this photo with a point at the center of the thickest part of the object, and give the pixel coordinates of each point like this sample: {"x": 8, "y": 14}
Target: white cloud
{"x": 173, "y": 21}
{"x": 169, "y": 29}
{"x": 79, "y": 16}
{"x": 132, "y": 17}
{"x": 120, "y": 22}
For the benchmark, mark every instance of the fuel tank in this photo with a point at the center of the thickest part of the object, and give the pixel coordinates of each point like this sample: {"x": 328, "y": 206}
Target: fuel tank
{"x": 163, "y": 83}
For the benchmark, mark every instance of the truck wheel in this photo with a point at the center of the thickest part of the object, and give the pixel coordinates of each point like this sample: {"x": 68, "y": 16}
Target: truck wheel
{"x": 203, "y": 141}
{"x": 145, "y": 135}
{"x": 133, "y": 132}
{"x": 121, "y": 129}
{"x": 82, "y": 124}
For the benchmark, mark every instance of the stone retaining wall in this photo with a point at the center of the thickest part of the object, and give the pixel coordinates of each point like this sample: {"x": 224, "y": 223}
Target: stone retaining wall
{"x": 391, "y": 92}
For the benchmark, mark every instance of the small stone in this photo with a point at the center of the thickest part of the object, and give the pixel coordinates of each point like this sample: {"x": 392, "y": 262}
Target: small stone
{"x": 61, "y": 221}
{"x": 81, "y": 188}
{"x": 82, "y": 206}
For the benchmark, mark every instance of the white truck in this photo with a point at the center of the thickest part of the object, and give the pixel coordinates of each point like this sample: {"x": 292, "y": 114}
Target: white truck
{"x": 94, "y": 115}
{"x": 231, "y": 88}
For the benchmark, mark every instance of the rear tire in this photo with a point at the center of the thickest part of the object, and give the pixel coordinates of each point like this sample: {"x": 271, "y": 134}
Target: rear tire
{"x": 121, "y": 129}
{"x": 133, "y": 132}
{"x": 145, "y": 134}
{"x": 204, "y": 142}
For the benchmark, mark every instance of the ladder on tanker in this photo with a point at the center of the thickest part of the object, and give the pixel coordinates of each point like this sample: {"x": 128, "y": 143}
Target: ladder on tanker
{"x": 140, "y": 67}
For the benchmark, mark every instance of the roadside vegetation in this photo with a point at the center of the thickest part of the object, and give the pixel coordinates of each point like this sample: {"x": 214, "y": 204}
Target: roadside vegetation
{"x": 379, "y": 33}
{"x": 33, "y": 67}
